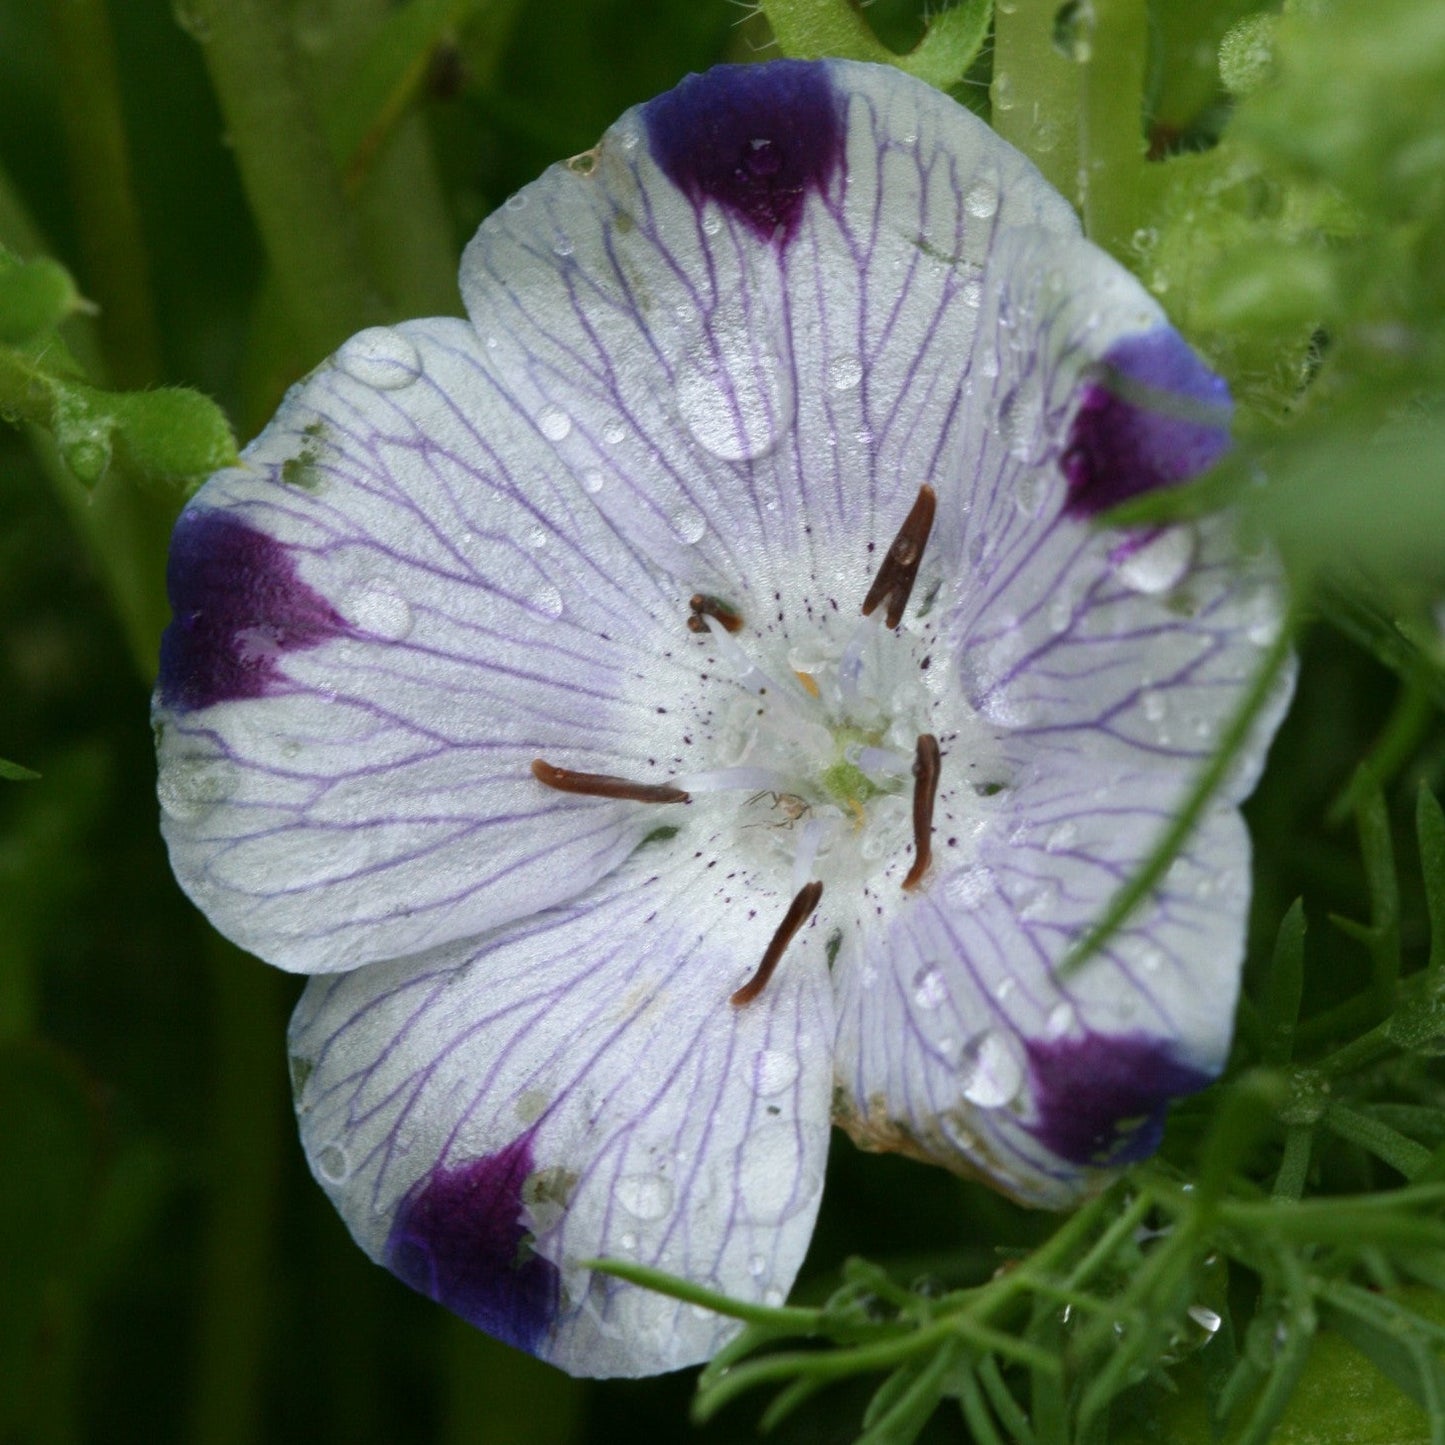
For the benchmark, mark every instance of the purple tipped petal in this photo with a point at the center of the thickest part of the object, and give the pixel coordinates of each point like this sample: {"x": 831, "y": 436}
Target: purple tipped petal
{"x": 238, "y": 607}
{"x": 1102, "y": 1100}
{"x": 757, "y": 139}
{"x": 488, "y": 1116}
{"x": 1151, "y": 415}
{"x": 460, "y": 1237}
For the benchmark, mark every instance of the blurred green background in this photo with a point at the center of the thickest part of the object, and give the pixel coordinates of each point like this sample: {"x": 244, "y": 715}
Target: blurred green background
{"x": 168, "y": 1271}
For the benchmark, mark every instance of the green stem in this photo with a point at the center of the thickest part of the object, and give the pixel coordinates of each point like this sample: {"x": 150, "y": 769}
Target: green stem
{"x": 1111, "y": 123}
{"x": 107, "y": 216}
{"x": 1405, "y": 732}
{"x": 1036, "y": 91}
{"x": 1294, "y": 1165}
{"x": 309, "y": 232}
{"x": 248, "y": 1111}
{"x": 126, "y": 529}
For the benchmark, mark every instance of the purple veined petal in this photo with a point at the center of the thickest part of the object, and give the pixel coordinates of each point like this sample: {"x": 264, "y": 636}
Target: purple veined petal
{"x": 958, "y": 1044}
{"x": 1105, "y": 649}
{"x": 381, "y": 618}
{"x": 759, "y": 380}
{"x": 577, "y": 1085}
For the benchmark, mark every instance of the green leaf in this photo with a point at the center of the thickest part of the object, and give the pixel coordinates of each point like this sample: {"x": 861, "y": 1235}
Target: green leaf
{"x": 1430, "y": 830}
{"x": 15, "y": 773}
{"x": 1284, "y": 988}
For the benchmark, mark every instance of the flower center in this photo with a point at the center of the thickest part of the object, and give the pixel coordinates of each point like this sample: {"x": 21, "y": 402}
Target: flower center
{"x": 835, "y": 759}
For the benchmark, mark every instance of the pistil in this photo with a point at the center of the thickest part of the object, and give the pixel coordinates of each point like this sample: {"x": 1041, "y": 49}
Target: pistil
{"x": 603, "y": 785}
{"x": 927, "y": 760}
{"x": 899, "y": 569}
{"x": 800, "y": 910}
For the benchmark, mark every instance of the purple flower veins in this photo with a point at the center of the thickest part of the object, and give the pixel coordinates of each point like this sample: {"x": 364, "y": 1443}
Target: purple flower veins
{"x": 688, "y": 703}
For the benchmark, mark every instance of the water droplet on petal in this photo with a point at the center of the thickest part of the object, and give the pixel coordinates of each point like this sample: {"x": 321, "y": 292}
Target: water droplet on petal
{"x": 562, "y": 246}
{"x": 1153, "y": 705}
{"x": 592, "y": 481}
{"x": 773, "y": 1297}
{"x": 517, "y": 202}
{"x": 773, "y": 1181}
{"x": 758, "y": 1267}
{"x": 776, "y": 1071}
{"x": 333, "y": 1164}
{"x": 613, "y": 431}
{"x": 554, "y": 423}
{"x": 380, "y": 357}
{"x": 1062, "y": 837}
{"x": 1159, "y": 564}
{"x": 628, "y": 1241}
{"x": 981, "y": 200}
{"x": 688, "y": 524}
{"x": 190, "y": 786}
{"x": 733, "y": 392}
{"x": 548, "y": 601}
{"x": 992, "y": 1074}
{"x": 844, "y": 373}
{"x": 929, "y": 989}
{"x": 378, "y": 610}
{"x": 1002, "y": 91}
{"x": 971, "y": 293}
{"x": 645, "y": 1196}
{"x": 1060, "y": 1020}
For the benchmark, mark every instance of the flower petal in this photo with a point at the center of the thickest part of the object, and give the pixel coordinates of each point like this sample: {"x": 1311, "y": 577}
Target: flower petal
{"x": 381, "y": 619}
{"x": 959, "y": 1043}
{"x": 487, "y": 1116}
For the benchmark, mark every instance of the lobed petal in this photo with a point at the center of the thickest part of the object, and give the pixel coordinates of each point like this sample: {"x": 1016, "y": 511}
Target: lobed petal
{"x": 959, "y": 1043}
{"x": 487, "y": 1116}
{"x": 381, "y": 619}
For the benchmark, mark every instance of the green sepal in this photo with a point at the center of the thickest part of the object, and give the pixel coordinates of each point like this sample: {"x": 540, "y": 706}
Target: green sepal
{"x": 35, "y": 297}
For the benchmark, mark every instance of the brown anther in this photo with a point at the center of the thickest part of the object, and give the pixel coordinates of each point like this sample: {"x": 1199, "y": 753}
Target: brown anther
{"x": 601, "y": 785}
{"x": 899, "y": 569}
{"x": 927, "y": 761}
{"x": 800, "y": 910}
{"x": 704, "y": 606}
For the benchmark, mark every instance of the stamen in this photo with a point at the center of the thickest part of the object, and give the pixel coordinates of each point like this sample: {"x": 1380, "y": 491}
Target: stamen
{"x": 601, "y": 785}
{"x": 704, "y": 606}
{"x": 800, "y": 910}
{"x": 899, "y": 570}
{"x": 926, "y": 764}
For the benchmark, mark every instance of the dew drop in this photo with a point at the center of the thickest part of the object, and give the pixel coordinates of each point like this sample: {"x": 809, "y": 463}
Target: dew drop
{"x": 1062, "y": 837}
{"x": 758, "y": 1267}
{"x": 1002, "y": 91}
{"x": 981, "y": 200}
{"x": 992, "y": 1074}
{"x": 380, "y": 357}
{"x": 628, "y": 1241}
{"x": 592, "y": 481}
{"x": 844, "y": 373}
{"x": 333, "y": 1164}
{"x": 1153, "y": 705}
{"x": 711, "y": 222}
{"x": 1158, "y": 565}
{"x": 517, "y": 202}
{"x": 688, "y": 524}
{"x": 378, "y": 610}
{"x": 972, "y": 293}
{"x": 537, "y": 539}
{"x": 1073, "y": 32}
{"x": 734, "y": 395}
{"x": 613, "y": 431}
{"x": 776, "y": 1071}
{"x": 929, "y": 989}
{"x": 562, "y": 246}
{"x": 1060, "y": 1020}
{"x": 645, "y": 1196}
{"x": 773, "y": 1297}
{"x": 554, "y": 423}
{"x": 548, "y": 601}
{"x": 191, "y": 786}
{"x": 773, "y": 1181}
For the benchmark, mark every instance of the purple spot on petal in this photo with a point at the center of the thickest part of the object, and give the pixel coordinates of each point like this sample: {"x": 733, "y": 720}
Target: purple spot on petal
{"x": 1102, "y": 1100}
{"x": 1149, "y": 415}
{"x": 460, "y": 1239}
{"x": 754, "y": 138}
{"x": 237, "y": 607}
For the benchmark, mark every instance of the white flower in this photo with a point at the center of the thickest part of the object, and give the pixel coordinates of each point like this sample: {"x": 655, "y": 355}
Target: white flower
{"x": 519, "y": 683}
